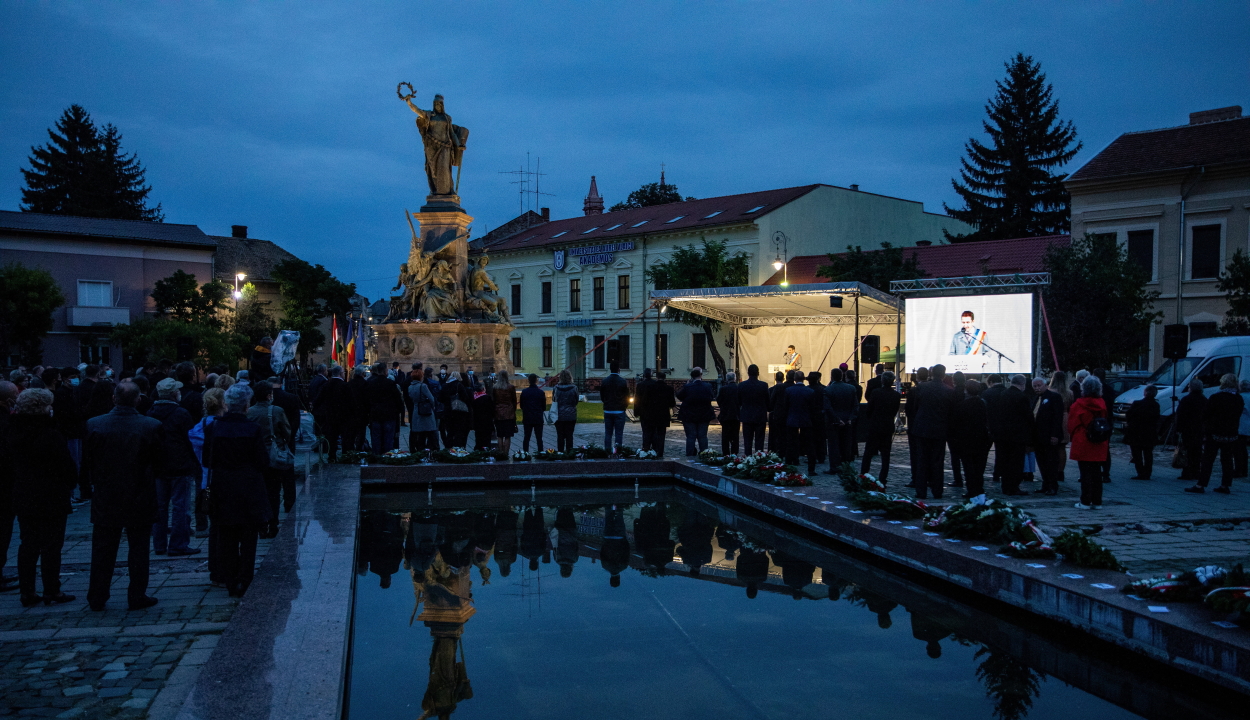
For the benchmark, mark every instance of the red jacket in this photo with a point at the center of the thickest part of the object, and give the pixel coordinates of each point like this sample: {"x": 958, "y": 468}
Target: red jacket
{"x": 1083, "y": 411}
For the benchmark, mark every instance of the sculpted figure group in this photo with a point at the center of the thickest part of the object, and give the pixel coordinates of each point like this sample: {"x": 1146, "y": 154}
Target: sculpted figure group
{"x": 431, "y": 291}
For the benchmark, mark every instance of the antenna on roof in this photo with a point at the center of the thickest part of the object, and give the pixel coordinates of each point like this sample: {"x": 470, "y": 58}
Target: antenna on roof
{"x": 527, "y": 178}
{"x": 662, "y": 183}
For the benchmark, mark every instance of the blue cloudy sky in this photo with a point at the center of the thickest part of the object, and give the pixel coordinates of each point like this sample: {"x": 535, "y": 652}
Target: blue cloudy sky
{"x": 283, "y": 116}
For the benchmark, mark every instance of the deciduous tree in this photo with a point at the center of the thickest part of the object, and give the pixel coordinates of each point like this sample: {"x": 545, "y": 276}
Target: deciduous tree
{"x": 180, "y": 297}
{"x": 660, "y": 193}
{"x": 1235, "y": 284}
{"x": 1097, "y": 303}
{"x": 874, "y": 267}
{"x": 1011, "y": 186}
{"x": 28, "y": 296}
{"x": 309, "y": 294}
{"x": 708, "y": 267}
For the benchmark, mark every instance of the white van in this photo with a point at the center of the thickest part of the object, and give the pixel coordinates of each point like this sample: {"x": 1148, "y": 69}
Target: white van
{"x": 1206, "y": 360}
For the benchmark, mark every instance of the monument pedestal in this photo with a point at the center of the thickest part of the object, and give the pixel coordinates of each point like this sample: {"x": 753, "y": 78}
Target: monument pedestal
{"x": 440, "y": 226}
{"x": 485, "y": 347}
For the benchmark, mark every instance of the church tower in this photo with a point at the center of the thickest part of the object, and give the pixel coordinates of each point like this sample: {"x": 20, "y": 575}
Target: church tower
{"x": 593, "y": 204}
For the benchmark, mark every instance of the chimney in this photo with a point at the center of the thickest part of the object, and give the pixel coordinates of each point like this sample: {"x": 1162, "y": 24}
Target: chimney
{"x": 593, "y": 204}
{"x": 239, "y": 231}
{"x": 1206, "y": 116}
{"x": 923, "y": 243}
{"x": 855, "y": 187}
{"x": 546, "y": 213}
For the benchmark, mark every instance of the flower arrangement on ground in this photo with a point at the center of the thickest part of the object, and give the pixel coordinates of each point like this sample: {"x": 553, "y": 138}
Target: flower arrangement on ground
{"x": 551, "y": 454}
{"x": 789, "y": 479}
{"x": 1191, "y": 586}
{"x": 1077, "y": 548}
{"x": 983, "y": 519}
{"x": 646, "y": 455}
{"x": 460, "y": 455}
{"x": 590, "y": 452}
{"x": 867, "y": 493}
{"x": 522, "y": 456}
{"x": 716, "y": 459}
{"x": 756, "y": 466}
{"x": 625, "y": 451}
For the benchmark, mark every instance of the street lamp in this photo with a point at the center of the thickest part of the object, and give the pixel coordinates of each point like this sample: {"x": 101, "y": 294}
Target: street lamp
{"x": 238, "y": 294}
{"x": 782, "y": 243}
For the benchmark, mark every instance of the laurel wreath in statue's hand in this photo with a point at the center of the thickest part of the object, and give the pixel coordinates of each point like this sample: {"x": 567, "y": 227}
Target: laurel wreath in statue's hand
{"x": 399, "y": 90}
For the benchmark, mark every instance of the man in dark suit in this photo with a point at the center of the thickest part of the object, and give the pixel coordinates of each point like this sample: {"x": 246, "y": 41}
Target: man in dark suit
{"x": 819, "y": 426}
{"x": 909, "y": 410}
{"x": 121, "y": 450}
{"x": 934, "y": 406}
{"x": 385, "y": 406}
{"x": 970, "y": 436}
{"x": 875, "y": 382}
{"x": 800, "y": 403}
{"x": 753, "y": 406}
{"x": 727, "y": 405}
{"x": 1141, "y": 431}
{"x": 316, "y": 384}
{"x": 1047, "y": 434}
{"x": 992, "y": 392}
{"x": 654, "y": 403}
{"x": 1011, "y": 422}
{"x": 696, "y": 411}
{"x": 881, "y": 414}
{"x": 334, "y": 404}
{"x": 840, "y": 403}
{"x": 359, "y": 418}
{"x": 777, "y": 414}
{"x": 290, "y": 405}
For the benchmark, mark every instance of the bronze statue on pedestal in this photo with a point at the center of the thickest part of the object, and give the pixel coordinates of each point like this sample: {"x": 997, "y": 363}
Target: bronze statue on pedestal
{"x": 444, "y": 143}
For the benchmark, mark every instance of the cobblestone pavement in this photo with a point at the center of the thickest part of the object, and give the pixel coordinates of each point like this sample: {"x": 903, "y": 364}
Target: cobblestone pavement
{"x": 66, "y": 661}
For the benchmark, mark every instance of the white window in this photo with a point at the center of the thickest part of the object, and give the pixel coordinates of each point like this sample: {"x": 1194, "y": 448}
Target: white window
{"x": 95, "y": 293}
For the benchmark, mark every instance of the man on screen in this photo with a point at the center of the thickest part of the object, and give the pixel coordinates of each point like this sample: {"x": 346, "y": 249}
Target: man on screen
{"x": 969, "y": 339}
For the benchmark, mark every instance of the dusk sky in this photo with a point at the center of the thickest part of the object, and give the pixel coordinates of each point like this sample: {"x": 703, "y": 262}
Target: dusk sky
{"x": 283, "y": 116}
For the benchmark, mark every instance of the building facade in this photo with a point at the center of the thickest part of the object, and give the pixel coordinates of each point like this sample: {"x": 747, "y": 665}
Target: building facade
{"x": 572, "y": 283}
{"x": 106, "y": 270}
{"x": 1177, "y": 199}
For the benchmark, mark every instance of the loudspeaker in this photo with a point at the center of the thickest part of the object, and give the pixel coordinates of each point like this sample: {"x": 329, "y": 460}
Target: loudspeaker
{"x": 614, "y": 352}
{"x": 835, "y": 301}
{"x": 870, "y": 350}
{"x": 1175, "y": 341}
{"x": 184, "y": 352}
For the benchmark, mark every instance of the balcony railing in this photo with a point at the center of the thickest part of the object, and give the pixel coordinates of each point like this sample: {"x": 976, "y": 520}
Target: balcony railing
{"x": 77, "y": 316}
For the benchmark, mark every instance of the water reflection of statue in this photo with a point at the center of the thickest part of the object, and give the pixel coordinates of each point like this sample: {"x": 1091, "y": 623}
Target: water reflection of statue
{"x": 444, "y": 143}
{"x": 445, "y": 590}
{"x": 484, "y": 293}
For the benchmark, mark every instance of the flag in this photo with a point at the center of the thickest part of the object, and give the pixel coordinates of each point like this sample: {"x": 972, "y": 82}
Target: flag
{"x": 334, "y": 338}
{"x": 360, "y": 342}
{"x": 349, "y": 357}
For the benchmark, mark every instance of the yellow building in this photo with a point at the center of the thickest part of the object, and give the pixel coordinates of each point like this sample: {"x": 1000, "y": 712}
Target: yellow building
{"x": 570, "y": 283}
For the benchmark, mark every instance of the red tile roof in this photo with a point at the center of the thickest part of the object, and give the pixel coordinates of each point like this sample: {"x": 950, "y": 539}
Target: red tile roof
{"x": 707, "y": 212}
{"x": 995, "y": 257}
{"x": 1211, "y": 143}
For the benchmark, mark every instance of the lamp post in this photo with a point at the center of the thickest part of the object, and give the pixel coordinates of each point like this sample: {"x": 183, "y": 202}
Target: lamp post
{"x": 782, "y": 243}
{"x": 238, "y": 294}
{"x": 660, "y": 307}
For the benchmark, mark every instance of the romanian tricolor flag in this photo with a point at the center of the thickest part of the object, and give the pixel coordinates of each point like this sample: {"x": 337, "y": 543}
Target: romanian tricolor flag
{"x": 349, "y": 358}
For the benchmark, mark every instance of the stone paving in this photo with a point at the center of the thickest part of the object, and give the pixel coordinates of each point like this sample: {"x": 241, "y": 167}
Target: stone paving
{"x": 67, "y": 661}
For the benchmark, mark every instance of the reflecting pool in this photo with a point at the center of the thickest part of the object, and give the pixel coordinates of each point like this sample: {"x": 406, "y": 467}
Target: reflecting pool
{"x": 661, "y": 604}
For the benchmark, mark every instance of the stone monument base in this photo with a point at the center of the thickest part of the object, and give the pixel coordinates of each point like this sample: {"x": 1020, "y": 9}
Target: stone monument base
{"x": 485, "y": 347}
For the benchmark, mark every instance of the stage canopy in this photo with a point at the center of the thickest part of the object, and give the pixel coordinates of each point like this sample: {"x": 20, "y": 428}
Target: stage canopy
{"x": 765, "y": 319}
{"x": 771, "y": 305}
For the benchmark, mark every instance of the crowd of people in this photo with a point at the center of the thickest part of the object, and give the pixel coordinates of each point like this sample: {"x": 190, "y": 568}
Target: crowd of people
{"x": 162, "y": 453}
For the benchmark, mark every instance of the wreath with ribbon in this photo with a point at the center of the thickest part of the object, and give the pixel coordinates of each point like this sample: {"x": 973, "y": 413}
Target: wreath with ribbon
{"x": 399, "y": 90}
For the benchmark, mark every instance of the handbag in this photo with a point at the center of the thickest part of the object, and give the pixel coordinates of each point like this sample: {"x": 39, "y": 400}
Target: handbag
{"x": 280, "y": 456}
{"x": 1180, "y": 458}
{"x": 209, "y": 508}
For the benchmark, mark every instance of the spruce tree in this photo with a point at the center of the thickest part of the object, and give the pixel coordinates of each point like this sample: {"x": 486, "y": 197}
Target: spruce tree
{"x": 1010, "y": 187}
{"x": 83, "y": 171}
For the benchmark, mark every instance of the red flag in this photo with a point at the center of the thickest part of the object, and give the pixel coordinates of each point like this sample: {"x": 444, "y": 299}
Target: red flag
{"x": 334, "y": 340}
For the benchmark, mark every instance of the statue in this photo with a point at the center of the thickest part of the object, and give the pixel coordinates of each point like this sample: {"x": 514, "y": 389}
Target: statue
{"x": 444, "y": 143}
{"x": 439, "y": 300}
{"x": 483, "y": 293}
